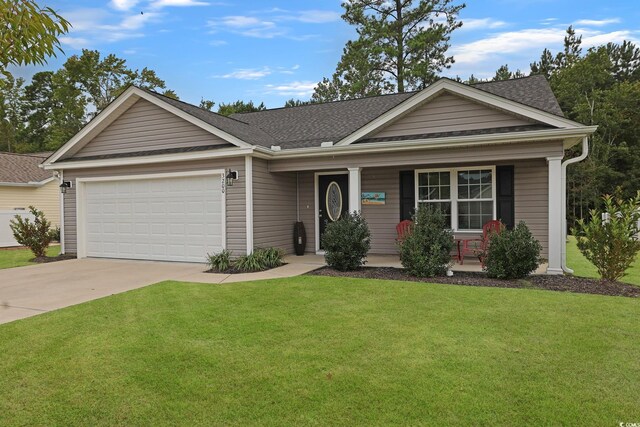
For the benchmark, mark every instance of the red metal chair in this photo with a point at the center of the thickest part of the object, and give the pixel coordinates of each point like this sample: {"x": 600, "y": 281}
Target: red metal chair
{"x": 403, "y": 229}
{"x": 478, "y": 247}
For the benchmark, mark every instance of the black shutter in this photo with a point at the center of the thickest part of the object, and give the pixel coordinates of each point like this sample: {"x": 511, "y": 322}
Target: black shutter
{"x": 407, "y": 194}
{"x": 505, "y": 195}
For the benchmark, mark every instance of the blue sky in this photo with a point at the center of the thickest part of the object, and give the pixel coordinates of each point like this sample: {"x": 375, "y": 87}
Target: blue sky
{"x": 268, "y": 50}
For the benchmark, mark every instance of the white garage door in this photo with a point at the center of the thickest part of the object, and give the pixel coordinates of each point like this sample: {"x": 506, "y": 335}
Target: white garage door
{"x": 165, "y": 219}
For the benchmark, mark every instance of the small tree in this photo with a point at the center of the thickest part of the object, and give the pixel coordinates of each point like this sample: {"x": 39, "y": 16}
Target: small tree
{"x": 346, "y": 242}
{"x": 426, "y": 251}
{"x": 609, "y": 240}
{"x": 35, "y": 235}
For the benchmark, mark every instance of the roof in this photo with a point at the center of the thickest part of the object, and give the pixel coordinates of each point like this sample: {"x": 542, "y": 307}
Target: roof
{"x": 533, "y": 91}
{"x": 237, "y": 128}
{"x": 309, "y": 125}
{"x": 23, "y": 168}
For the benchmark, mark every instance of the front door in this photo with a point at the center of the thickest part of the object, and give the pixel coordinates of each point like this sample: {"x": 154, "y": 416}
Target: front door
{"x": 333, "y": 195}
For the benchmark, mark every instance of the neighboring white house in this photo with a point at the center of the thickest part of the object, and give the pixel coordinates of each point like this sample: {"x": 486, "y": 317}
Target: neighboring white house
{"x": 22, "y": 184}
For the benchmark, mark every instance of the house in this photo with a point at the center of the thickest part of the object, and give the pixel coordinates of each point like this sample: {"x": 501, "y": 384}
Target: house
{"x": 22, "y": 184}
{"x": 155, "y": 178}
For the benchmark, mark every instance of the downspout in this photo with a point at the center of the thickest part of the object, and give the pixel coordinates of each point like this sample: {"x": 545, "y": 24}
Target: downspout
{"x": 581, "y": 157}
{"x": 62, "y": 248}
{"x": 298, "y": 196}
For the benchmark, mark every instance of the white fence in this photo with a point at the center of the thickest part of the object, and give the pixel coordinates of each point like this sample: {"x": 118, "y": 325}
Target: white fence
{"x": 6, "y": 235}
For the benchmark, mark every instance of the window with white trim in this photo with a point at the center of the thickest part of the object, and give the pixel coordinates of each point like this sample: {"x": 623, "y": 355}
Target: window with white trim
{"x": 465, "y": 195}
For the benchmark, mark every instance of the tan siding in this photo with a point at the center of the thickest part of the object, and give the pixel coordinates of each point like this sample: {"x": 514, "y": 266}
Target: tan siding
{"x": 235, "y": 196}
{"x": 448, "y": 113}
{"x": 274, "y": 207}
{"x": 145, "y": 126}
{"x": 46, "y": 198}
{"x": 531, "y": 202}
{"x": 441, "y": 156}
{"x": 308, "y": 208}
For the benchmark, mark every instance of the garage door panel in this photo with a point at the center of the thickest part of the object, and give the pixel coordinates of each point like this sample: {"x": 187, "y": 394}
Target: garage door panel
{"x": 175, "y": 219}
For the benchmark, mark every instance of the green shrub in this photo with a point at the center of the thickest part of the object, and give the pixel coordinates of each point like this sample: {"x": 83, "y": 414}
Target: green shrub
{"x": 35, "y": 235}
{"x": 611, "y": 245}
{"x": 346, "y": 242}
{"x": 220, "y": 262}
{"x": 512, "y": 254}
{"x": 426, "y": 251}
{"x": 55, "y": 234}
{"x": 270, "y": 257}
{"x": 259, "y": 260}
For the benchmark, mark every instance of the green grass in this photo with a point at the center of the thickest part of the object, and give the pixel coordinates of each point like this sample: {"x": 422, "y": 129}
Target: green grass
{"x": 325, "y": 351}
{"x": 10, "y": 258}
{"x": 582, "y": 267}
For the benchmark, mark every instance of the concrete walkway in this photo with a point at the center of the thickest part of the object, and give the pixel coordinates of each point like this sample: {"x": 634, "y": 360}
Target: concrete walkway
{"x": 35, "y": 289}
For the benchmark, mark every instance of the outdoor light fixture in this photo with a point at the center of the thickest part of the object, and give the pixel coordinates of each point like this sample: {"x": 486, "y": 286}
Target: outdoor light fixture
{"x": 64, "y": 186}
{"x": 231, "y": 176}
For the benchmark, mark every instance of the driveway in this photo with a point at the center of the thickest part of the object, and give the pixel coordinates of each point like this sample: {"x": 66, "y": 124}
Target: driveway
{"x": 27, "y": 291}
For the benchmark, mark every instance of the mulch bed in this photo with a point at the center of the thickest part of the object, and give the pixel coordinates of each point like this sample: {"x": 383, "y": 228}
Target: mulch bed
{"x": 46, "y": 259}
{"x": 547, "y": 282}
{"x": 234, "y": 270}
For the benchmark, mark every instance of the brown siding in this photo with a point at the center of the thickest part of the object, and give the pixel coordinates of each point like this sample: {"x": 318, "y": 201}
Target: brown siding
{"x": 441, "y": 156}
{"x": 531, "y": 202}
{"x": 145, "y": 126}
{"x": 274, "y": 207}
{"x": 235, "y": 196}
{"x": 448, "y": 113}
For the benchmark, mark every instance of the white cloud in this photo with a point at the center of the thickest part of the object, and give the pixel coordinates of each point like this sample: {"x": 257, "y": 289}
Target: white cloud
{"x": 158, "y": 4}
{"x": 481, "y": 24}
{"x": 249, "y": 26}
{"x": 613, "y": 37}
{"x": 247, "y": 74}
{"x": 74, "y": 42}
{"x": 311, "y": 16}
{"x": 123, "y": 4}
{"x": 296, "y": 88}
{"x": 597, "y": 22}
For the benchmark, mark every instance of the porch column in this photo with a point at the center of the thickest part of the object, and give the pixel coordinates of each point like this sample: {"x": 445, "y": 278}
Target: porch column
{"x": 555, "y": 215}
{"x": 354, "y": 190}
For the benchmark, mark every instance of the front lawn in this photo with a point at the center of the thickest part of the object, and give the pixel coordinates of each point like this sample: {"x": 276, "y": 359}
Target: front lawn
{"x": 582, "y": 267}
{"x": 20, "y": 257}
{"x": 325, "y": 351}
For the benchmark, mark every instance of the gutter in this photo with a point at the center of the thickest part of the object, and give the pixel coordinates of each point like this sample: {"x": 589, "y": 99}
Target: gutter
{"x": 27, "y": 184}
{"x": 581, "y": 157}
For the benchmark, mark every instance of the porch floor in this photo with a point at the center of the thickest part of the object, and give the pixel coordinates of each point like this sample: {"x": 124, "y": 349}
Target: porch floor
{"x": 377, "y": 260}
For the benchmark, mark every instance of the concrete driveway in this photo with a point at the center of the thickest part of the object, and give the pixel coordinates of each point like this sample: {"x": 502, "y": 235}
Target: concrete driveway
{"x": 27, "y": 291}
{"x": 35, "y": 289}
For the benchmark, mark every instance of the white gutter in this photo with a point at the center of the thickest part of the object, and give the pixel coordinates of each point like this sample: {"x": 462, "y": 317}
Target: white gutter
{"x": 581, "y": 157}
{"x": 27, "y": 184}
{"x": 62, "y": 248}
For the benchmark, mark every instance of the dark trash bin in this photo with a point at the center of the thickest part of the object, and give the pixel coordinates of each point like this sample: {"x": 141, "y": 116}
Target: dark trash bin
{"x": 299, "y": 238}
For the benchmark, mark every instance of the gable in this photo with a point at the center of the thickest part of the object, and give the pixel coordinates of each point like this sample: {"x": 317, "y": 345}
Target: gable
{"x": 146, "y": 127}
{"x": 449, "y": 113}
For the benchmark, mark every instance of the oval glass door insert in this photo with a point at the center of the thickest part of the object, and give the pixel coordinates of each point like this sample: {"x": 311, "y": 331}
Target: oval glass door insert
{"x": 334, "y": 201}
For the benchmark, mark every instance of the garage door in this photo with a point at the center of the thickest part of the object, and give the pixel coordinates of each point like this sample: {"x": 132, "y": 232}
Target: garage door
{"x": 164, "y": 219}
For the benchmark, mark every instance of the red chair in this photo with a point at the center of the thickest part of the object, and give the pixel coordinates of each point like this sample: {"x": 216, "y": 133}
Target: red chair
{"x": 478, "y": 247}
{"x": 403, "y": 229}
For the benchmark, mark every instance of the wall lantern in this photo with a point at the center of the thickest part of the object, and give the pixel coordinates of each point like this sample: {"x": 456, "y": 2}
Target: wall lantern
{"x": 64, "y": 186}
{"x": 231, "y": 176}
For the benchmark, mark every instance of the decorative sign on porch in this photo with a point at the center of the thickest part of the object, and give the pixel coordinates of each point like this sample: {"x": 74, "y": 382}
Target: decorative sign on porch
{"x": 374, "y": 198}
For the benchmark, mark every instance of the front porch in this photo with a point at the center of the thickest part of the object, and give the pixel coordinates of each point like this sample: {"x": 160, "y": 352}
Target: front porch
{"x": 382, "y": 260}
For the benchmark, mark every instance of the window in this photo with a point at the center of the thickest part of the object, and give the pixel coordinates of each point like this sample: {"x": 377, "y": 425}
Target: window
{"x": 470, "y": 205}
{"x": 434, "y": 189}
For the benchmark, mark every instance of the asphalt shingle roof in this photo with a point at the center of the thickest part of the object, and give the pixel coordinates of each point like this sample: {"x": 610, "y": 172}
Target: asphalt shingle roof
{"x": 23, "y": 168}
{"x": 310, "y": 125}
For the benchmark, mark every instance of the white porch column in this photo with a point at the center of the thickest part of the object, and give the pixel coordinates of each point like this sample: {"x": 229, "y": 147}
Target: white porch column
{"x": 354, "y": 190}
{"x": 555, "y": 215}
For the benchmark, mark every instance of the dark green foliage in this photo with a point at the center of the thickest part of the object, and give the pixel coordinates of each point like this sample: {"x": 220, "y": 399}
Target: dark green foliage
{"x": 55, "y": 234}
{"x": 260, "y": 260}
{"x": 426, "y": 251}
{"x": 401, "y": 46}
{"x": 219, "y": 262}
{"x": 611, "y": 245}
{"x": 512, "y": 254}
{"x": 36, "y": 234}
{"x": 346, "y": 242}
{"x": 239, "y": 107}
